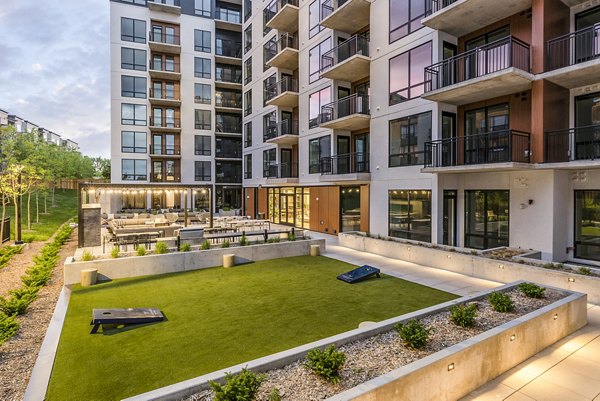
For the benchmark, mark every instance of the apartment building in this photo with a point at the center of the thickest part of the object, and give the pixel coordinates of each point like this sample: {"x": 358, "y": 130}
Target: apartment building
{"x": 460, "y": 122}
{"x": 176, "y": 100}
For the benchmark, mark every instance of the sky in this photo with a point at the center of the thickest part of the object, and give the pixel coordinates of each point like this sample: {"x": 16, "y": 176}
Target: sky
{"x": 55, "y": 68}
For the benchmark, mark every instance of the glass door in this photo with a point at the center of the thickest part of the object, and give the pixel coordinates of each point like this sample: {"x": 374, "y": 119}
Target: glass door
{"x": 286, "y": 123}
{"x": 587, "y": 42}
{"x": 587, "y": 225}
{"x": 170, "y": 145}
{"x": 343, "y": 108}
{"x": 286, "y": 206}
{"x": 449, "y": 72}
{"x": 170, "y": 35}
{"x": 449, "y": 218}
{"x": 157, "y": 144}
{"x": 286, "y": 163}
{"x": 343, "y": 155}
{"x": 587, "y": 127}
{"x": 449, "y": 134}
{"x": 486, "y": 219}
{"x": 361, "y": 149}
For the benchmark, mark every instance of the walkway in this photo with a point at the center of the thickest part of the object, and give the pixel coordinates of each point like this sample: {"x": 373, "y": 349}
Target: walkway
{"x": 567, "y": 371}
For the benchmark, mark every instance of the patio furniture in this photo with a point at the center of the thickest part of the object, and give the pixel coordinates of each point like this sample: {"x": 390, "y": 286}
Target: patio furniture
{"x": 124, "y": 316}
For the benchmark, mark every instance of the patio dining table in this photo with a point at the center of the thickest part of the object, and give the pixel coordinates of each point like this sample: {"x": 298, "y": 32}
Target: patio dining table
{"x": 146, "y": 238}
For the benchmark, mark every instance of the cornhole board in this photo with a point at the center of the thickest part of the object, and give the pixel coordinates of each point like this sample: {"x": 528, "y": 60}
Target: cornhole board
{"x": 124, "y": 316}
{"x": 359, "y": 274}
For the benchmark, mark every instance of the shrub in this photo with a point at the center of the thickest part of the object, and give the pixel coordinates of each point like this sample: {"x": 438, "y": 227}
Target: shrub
{"x": 225, "y": 244}
{"x": 414, "y": 333}
{"x": 205, "y": 245}
{"x": 244, "y": 240}
{"x": 326, "y": 364}
{"x": 274, "y": 395}
{"x": 161, "y": 248}
{"x": 140, "y": 250}
{"x": 16, "y": 305}
{"x": 531, "y": 290}
{"x": 501, "y": 302}
{"x": 8, "y": 327}
{"x": 28, "y": 238}
{"x": 291, "y": 236}
{"x": 273, "y": 240}
{"x": 586, "y": 271}
{"x": 87, "y": 256}
{"x": 185, "y": 247}
{"x": 115, "y": 252}
{"x": 7, "y": 253}
{"x": 240, "y": 387}
{"x": 463, "y": 315}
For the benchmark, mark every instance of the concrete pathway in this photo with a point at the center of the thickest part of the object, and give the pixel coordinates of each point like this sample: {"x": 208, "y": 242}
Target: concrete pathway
{"x": 567, "y": 371}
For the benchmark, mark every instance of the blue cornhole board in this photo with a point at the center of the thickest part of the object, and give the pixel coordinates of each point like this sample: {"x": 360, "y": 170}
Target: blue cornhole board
{"x": 359, "y": 274}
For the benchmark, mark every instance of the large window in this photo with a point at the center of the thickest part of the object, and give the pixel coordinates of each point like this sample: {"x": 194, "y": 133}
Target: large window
{"x": 203, "y": 8}
{"x": 248, "y": 70}
{"x": 269, "y": 52}
{"x": 202, "y": 41}
{"x": 410, "y": 215}
{"x": 318, "y": 148}
{"x": 202, "y": 145}
{"x": 315, "y": 101}
{"x": 587, "y": 224}
{"x": 269, "y": 120}
{"x": 133, "y": 114}
{"x": 268, "y": 88}
{"x": 248, "y": 166}
{"x": 486, "y": 219}
{"x": 202, "y": 67}
{"x": 133, "y": 86}
{"x": 202, "y": 119}
{"x": 133, "y": 170}
{"x": 248, "y": 38}
{"x": 487, "y": 119}
{"x": 248, "y": 134}
{"x": 229, "y": 172}
{"x": 314, "y": 18}
{"x": 248, "y": 102}
{"x": 202, "y": 171}
{"x": 314, "y": 59}
{"x": 407, "y": 139}
{"x": 133, "y": 142}
{"x": 406, "y": 16}
{"x": 133, "y": 30}
{"x": 202, "y": 93}
{"x": 133, "y": 59}
{"x": 407, "y": 79}
{"x": 269, "y": 161}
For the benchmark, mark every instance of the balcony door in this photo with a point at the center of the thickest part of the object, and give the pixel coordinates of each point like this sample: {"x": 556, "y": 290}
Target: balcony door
{"x": 286, "y": 123}
{"x": 486, "y": 140}
{"x": 343, "y": 155}
{"x": 484, "y": 60}
{"x": 587, "y": 127}
{"x": 286, "y": 163}
{"x": 361, "y": 149}
{"x": 587, "y": 41}
{"x": 486, "y": 219}
{"x": 343, "y": 107}
{"x": 286, "y": 206}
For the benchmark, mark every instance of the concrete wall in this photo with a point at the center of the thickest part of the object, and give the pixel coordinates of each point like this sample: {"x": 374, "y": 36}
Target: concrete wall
{"x": 185, "y": 261}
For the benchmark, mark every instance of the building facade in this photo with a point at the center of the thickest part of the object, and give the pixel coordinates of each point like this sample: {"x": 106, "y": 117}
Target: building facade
{"x": 466, "y": 122}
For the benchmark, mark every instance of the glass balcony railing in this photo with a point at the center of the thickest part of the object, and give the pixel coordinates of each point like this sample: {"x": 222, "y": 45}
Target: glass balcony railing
{"x": 285, "y": 127}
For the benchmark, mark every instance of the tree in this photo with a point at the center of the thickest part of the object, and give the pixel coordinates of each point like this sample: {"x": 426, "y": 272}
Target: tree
{"x": 102, "y": 167}
{"x": 19, "y": 179}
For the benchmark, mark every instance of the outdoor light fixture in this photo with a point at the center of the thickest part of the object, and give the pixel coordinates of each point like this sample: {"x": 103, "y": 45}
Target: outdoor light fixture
{"x": 451, "y": 367}
{"x": 556, "y": 316}
{"x": 408, "y": 249}
{"x": 448, "y": 256}
{"x": 571, "y": 280}
{"x": 512, "y": 338}
{"x": 501, "y": 266}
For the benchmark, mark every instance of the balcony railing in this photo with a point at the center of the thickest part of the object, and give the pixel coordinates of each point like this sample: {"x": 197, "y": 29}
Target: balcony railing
{"x": 165, "y": 122}
{"x": 229, "y": 75}
{"x": 175, "y": 3}
{"x": 228, "y": 128}
{"x": 348, "y": 163}
{"x": 228, "y": 15}
{"x": 282, "y": 170}
{"x": 574, "y": 48}
{"x": 491, "y": 147}
{"x": 581, "y": 143}
{"x": 165, "y": 150}
{"x": 275, "y": 6}
{"x": 356, "y": 45}
{"x": 481, "y": 61}
{"x": 228, "y": 48}
{"x": 166, "y": 38}
{"x": 285, "y": 127}
{"x": 163, "y": 66}
{"x": 286, "y": 84}
{"x": 285, "y": 40}
{"x": 329, "y": 6}
{"x": 433, "y": 6}
{"x": 233, "y": 101}
{"x": 344, "y": 107}
{"x": 157, "y": 177}
{"x": 164, "y": 94}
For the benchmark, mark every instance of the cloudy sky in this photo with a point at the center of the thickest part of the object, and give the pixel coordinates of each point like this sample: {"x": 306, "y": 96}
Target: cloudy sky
{"x": 54, "y": 67}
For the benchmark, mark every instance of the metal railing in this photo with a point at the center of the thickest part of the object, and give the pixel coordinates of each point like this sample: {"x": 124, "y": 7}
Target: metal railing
{"x": 493, "y": 57}
{"x": 162, "y": 66}
{"x": 228, "y": 99}
{"x": 433, "y": 6}
{"x": 228, "y": 15}
{"x": 231, "y": 75}
{"x": 407, "y": 159}
{"x": 228, "y": 48}
{"x": 285, "y": 127}
{"x": 275, "y": 6}
{"x": 490, "y": 147}
{"x": 330, "y": 6}
{"x": 285, "y": 40}
{"x": 165, "y": 150}
{"x": 228, "y": 128}
{"x": 356, "y": 45}
{"x": 175, "y": 3}
{"x": 281, "y": 170}
{"x": 164, "y": 94}
{"x": 347, "y": 163}
{"x": 573, "y": 48}
{"x": 344, "y": 107}
{"x": 166, "y": 38}
{"x": 228, "y": 149}
{"x": 580, "y": 143}
{"x": 160, "y": 177}
{"x": 285, "y": 84}
{"x": 164, "y": 122}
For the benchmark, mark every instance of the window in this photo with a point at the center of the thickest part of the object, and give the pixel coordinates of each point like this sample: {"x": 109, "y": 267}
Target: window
{"x": 269, "y": 161}
{"x": 314, "y": 18}
{"x": 317, "y": 149}
{"x": 202, "y": 8}
{"x": 268, "y": 13}
{"x": 269, "y": 51}
{"x": 269, "y": 120}
{"x": 269, "y": 89}
{"x": 133, "y": 170}
{"x": 228, "y": 172}
{"x": 248, "y": 38}
{"x": 587, "y": 221}
{"x": 407, "y": 139}
{"x": 133, "y": 30}
{"x": 133, "y": 59}
{"x": 202, "y": 119}
{"x": 248, "y": 166}
{"x": 487, "y": 119}
{"x": 202, "y": 145}
{"x": 248, "y": 134}
{"x": 407, "y": 80}
{"x": 231, "y": 123}
{"x": 247, "y": 9}
{"x": 202, "y": 67}
{"x": 133, "y": 114}
{"x": 248, "y": 70}
{"x": 409, "y": 215}
{"x": 202, "y": 171}
{"x": 314, "y": 59}
{"x": 133, "y": 200}
{"x": 486, "y": 219}
{"x": 133, "y": 142}
{"x": 202, "y": 93}
{"x": 202, "y": 41}
{"x": 405, "y": 16}
{"x": 133, "y": 86}
{"x": 315, "y": 102}
{"x": 229, "y": 148}
{"x": 248, "y": 102}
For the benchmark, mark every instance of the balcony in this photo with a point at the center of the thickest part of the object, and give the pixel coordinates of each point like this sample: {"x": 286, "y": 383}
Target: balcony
{"x": 283, "y": 93}
{"x": 576, "y": 147}
{"x": 345, "y": 167}
{"x": 283, "y": 133}
{"x": 228, "y": 18}
{"x": 283, "y": 173}
{"x": 164, "y": 70}
{"x": 164, "y": 151}
{"x": 497, "y": 150}
{"x": 164, "y": 42}
{"x": 230, "y": 78}
{"x": 573, "y": 60}
{"x": 497, "y": 69}
{"x": 228, "y": 128}
{"x": 349, "y": 113}
{"x": 165, "y": 6}
{"x": 165, "y": 124}
{"x": 459, "y": 17}
{"x": 228, "y": 102}
{"x": 228, "y": 52}
{"x": 282, "y": 15}
{"x": 158, "y": 177}
{"x": 345, "y": 15}
{"x": 349, "y": 61}
{"x": 164, "y": 98}
{"x": 229, "y": 151}
{"x": 284, "y": 52}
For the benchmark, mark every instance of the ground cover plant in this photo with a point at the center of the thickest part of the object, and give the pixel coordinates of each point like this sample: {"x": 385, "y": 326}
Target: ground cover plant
{"x": 216, "y": 318}
{"x": 7, "y": 253}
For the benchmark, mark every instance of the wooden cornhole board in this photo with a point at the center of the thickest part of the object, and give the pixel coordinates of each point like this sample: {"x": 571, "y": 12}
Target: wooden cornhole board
{"x": 125, "y": 316}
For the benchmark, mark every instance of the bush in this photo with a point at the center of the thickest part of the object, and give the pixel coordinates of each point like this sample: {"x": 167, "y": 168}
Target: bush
{"x": 115, "y": 252}
{"x": 140, "y": 250}
{"x": 205, "y": 245}
{"x": 16, "y": 305}
{"x": 7, "y": 253}
{"x": 244, "y": 240}
{"x": 274, "y": 395}
{"x": 8, "y": 327}
{"x": 274, "y": 240}
{"x": 225, "y": 244}
{"x": 240, "y": 387}
{"x": 501, "y": 302}
{"x": 185, "y": 247}
{"x": 326, "y": 364}
{"x": 586, "y": 271}
{"x": 531, "y": 290}
{"x": 414, "y": 333}
{"x": 291, "y": 236}
{"x": 87, "y": 256}
{"x": 161, "y": 248}
{"x": 463, "y": 315}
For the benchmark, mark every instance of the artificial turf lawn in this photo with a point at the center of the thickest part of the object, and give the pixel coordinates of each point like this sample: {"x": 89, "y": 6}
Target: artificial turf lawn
{"x": 216, "y": 318}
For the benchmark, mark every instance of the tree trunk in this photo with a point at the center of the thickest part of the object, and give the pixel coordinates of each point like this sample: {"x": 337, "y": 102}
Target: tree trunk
{"x": 29, "y": 211}
{"x": 37, "y": 208}
{"x": 16, "y": 203}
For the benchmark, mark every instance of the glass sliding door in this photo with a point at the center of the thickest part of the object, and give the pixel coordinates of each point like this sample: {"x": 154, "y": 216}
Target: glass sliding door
{"x": 587, "y": 224}
{"x": 449, "y": 218}
{"x": 350, "y": 208}
{"x": 486, "y": 219}
{"x": 587, "y": 126}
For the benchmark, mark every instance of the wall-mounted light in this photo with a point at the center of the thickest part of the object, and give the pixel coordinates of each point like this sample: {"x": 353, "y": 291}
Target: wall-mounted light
{"x": 408, "y": 249}
{"x": 501, "y": 266}
{"x": 571, "y": 280}
{"x": 556, "y": 316}
{"x": 451, "y": 367}
{"x": 448, "y": 256}
{"x": 513, "y": 337}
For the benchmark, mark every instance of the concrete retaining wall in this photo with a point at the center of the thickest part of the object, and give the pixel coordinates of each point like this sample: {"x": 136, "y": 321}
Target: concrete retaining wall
{"x": 474, "y": 265}
{"x": 185, "y": 261}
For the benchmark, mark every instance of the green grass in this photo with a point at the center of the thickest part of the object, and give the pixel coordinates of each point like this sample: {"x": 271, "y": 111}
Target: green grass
{"x": 216, "y": 318}
{"x": 66, "y": 208}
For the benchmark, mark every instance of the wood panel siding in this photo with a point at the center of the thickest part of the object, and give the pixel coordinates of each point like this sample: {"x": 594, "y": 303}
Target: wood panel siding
{"x": 551, "y": 18}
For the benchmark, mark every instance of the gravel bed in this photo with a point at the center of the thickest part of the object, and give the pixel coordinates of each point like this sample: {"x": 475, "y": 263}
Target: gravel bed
{"x": 380, "y": 354}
